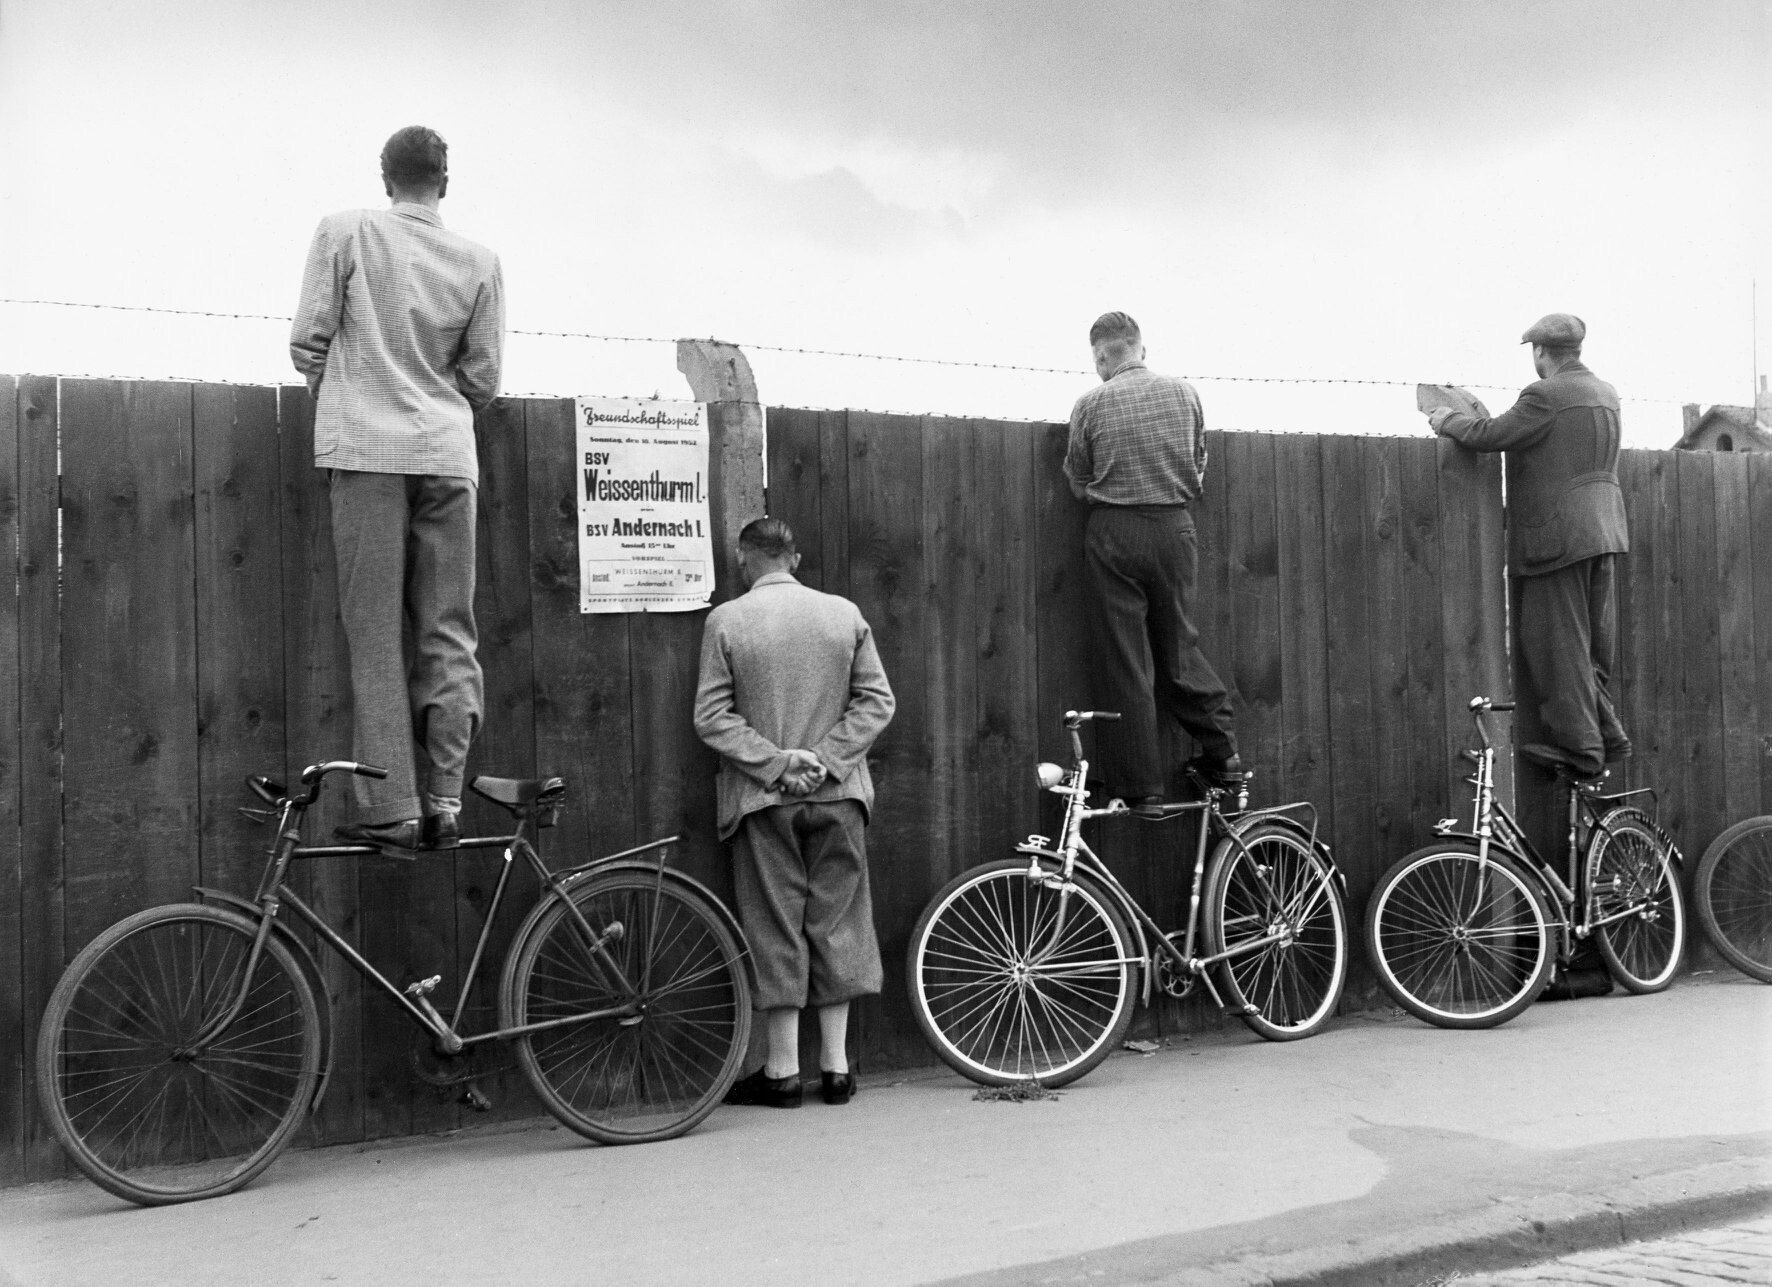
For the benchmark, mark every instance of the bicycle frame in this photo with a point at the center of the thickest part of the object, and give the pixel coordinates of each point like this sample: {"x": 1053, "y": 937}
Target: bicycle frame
{"x": 1073, "y": 850}
{"x": 1492, "y": 825}
{"x": 274, "y": 893}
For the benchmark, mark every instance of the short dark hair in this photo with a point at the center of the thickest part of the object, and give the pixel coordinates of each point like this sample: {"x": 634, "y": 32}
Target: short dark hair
{"x": 1114, "y": 326}
{"x": 415, "y": 156}
{"x": 1561, "y": 352}
{"x": 769, "y": 537}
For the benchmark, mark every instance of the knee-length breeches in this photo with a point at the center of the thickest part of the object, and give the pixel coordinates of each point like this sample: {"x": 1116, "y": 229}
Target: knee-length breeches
{"x": 801, "y": 876}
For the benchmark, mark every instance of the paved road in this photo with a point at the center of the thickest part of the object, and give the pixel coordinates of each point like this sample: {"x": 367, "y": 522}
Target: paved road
{"x": 1738, "y": 1253}
{"x": 1379, "y": 1151}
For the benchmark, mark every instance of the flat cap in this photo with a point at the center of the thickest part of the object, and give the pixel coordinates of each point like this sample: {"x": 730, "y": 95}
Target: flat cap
{"x": 1557, "y": 331}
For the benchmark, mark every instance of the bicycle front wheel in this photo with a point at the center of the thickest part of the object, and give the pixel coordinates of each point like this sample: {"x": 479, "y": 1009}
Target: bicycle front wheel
{"x": 1274, "y": 904}
{"x": 1639, "y": 914}
{"x": 1733, "y": 887}
{"x": 649, "y": 1017}
{"x": 1457, "y": 940}
{"x": 1013, "y": 980}
{"x": 149, "y": 1103}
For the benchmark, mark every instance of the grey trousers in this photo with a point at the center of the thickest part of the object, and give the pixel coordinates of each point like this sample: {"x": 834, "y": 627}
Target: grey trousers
{"x": 1568, "y": 642}
{"x": 1140, "y": 563}
{"x": 800, "y": 872}
{"x": 405, "y": 546}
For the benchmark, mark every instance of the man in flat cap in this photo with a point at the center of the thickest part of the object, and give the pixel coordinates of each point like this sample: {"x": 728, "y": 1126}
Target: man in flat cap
{"x": 1137, "y": 455}
{"x": 399, "y": 334}
{"x": 1566, "y": 529}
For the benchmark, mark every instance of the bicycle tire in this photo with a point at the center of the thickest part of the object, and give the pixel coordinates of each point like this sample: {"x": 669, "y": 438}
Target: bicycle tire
{"x": 1457, "y": 941}
{"x": 1276, "y": 882}
{"x": 1630, "y": 868}
{"x": 141, "y": 1114}
{"x": 658, "y": 1069}
{"x": 994, "y": 1013}
{"x": 1733, "y": 891}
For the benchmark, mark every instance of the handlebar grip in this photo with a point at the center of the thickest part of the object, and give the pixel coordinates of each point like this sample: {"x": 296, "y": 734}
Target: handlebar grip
{"x": 1501, "y": 706}
{"x": 1108, "y": 715}
{"x": 369, "y": 771}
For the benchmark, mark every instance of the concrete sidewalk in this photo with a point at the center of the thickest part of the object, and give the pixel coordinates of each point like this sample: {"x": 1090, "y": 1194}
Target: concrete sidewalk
{"x": 1381, "y": 1150}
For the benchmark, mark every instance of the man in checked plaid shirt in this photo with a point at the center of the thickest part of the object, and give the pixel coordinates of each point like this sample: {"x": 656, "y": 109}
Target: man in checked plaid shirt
{"x": 1137, "y": 455}
{"x": 399, "y": 334}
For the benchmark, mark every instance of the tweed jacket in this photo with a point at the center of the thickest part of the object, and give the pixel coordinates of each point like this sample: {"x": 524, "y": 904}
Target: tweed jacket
{"x": 1561, "y": 439}
{"x": 785, "y": 667}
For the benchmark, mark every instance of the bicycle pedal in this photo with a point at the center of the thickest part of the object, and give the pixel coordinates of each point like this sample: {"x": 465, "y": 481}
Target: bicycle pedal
{"x": 424, "y": 987}
{"x": 474, "y": 1098}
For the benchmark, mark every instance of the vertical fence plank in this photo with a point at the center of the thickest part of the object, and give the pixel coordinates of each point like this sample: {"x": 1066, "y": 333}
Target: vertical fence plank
{"x": 795, "y": 484}
{"x": 1421, "y": 565}
{"x": 12, "y": 945}
{"x": 1739, "y": 719}
{"x": 1759, "y": 495}
{"x": 130, "y": 737}
{"x": 1701, "y": 762}
{"x": 42, "y": 929}
{"x": 506, "y": 744}
{"x": 1349, "y": 635}
{"x": 317, "y": 704}
{"x": 1473, "y": 611}
{"x": 1251, "y": 659}
{"x": 1008, "y": 662}
{"x": 1304, "y": 764}
{"x": 951, "y": 567}
{"x": 1388, "y": 629}
{"x": 583, "y": 711}
{"x": 239, "y": 622}
{"x": 887, "y": 577}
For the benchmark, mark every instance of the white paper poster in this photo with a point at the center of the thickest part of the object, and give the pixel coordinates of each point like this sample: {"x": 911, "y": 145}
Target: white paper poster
{"x": 644, "y": 532}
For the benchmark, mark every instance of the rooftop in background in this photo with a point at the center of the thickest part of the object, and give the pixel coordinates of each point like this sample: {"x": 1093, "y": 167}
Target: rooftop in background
{"x": 1729, "y": 428}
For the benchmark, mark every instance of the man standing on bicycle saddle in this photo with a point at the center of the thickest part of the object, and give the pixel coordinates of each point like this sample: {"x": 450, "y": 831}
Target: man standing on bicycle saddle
{"x": 1565, "y": 530}
{"x": 399, "y": 334}
{"x": 1137, "y": 455}
{"x": 792, "y": 695}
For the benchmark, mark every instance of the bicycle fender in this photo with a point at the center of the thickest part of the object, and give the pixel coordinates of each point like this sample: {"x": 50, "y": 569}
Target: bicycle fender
{"x": 304, "y": 957}
{"x": 727, "y": 917}
{"x": 1299, "y": 831}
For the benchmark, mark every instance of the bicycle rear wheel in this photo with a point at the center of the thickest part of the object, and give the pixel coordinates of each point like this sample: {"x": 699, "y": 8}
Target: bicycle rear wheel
{"x": 1276, "y": 886}
{"x": 1634, "y": 898}
{"x": 1459, "y": 941}
{"x": 669, "y": 996}
{"x": 142, "y": 1111}
{"x": 1013, "y": 981}
{"x": 1733, "y": 889}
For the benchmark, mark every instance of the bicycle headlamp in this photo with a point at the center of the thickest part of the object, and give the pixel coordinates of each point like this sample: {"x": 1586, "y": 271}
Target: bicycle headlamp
{"x": 1050, "y": 775}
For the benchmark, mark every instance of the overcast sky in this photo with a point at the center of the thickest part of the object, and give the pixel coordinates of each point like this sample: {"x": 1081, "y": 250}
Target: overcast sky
{"x": 1307, "y": 189}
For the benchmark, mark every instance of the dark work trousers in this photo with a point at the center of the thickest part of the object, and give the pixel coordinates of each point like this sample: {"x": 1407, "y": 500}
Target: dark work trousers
{"x": 1140, "y": 563}
{"x": 800, "y": 872}
{"x": 1568, "y": 640}
{"x": 405, "y": 546}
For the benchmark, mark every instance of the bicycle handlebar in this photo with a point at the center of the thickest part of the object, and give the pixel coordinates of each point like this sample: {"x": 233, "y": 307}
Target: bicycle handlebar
{"x": 1074, "y": 718}
{"x": 316, "y": 771}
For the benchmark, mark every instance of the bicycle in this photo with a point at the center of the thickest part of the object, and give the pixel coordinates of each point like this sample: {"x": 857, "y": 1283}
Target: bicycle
{"x": 1023, "y": 970}
{"x": 1465, "y": 932}
{"x": 1733, "y": 890}
{"x": 183, "y": 1047}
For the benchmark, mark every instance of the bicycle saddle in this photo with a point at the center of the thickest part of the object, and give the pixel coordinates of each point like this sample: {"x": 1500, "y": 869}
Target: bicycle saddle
{"x": 517, "y": 793}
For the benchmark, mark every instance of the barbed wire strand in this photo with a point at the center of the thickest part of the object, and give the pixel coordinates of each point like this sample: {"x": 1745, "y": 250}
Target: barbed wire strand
{"x": 777, "y": 348}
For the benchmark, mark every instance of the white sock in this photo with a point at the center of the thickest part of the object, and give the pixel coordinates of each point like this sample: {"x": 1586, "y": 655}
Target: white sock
{"x": 442, "y": 803}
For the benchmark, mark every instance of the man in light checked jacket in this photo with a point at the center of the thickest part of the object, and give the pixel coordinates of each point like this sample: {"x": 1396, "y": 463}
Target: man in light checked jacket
{"x": 399, "y": 334}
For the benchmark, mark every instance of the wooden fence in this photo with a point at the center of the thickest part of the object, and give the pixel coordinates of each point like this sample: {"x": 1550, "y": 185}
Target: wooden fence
{"x": 173, "y": 629}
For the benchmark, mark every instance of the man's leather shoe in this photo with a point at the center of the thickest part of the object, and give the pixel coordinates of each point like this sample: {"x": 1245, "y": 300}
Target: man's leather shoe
{"x": 442, "y": 831}
{"x": 404, "y": 836}
{"x": 1147, "y": 806}
{"x": 769, "y": 1092}
{"x": 838, "y": 1088}
{"x": 1229, "y": 769}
